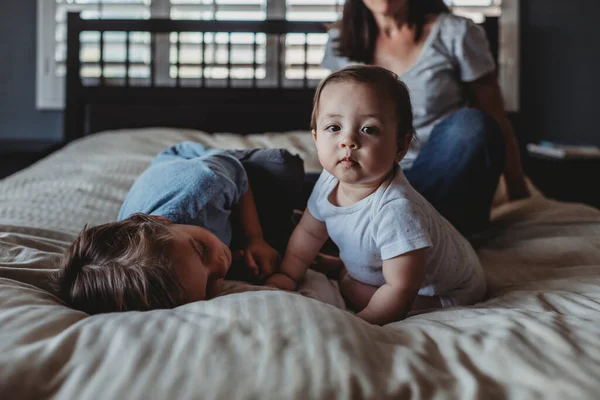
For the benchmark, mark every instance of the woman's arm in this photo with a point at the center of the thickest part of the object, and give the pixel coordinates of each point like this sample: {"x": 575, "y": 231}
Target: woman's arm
{"x": 257, "y": 252}
{"x": 403, "y": 278}
{"x": 486, "y": 95}
{"x": 307, "y": 239}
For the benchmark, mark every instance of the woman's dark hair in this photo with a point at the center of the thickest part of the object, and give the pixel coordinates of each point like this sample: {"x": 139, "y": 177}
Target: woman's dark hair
{"x": 358, "y": 29}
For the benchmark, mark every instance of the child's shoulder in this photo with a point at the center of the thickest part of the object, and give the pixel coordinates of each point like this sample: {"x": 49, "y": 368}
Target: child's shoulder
{"x": 396, "y": 189}
{"x": 398, "y": 196}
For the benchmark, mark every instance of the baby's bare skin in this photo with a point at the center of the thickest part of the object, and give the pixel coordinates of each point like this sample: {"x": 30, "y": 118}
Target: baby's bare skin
{"x": 357, "y": 294}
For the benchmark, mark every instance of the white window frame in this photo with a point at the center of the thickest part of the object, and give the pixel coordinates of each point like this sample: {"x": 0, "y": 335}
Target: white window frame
{"x": 509, "y": 61}
{"x": 50, "y": 89}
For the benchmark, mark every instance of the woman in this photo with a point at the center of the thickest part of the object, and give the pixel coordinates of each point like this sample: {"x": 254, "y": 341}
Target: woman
{"x": 446, "y": 63}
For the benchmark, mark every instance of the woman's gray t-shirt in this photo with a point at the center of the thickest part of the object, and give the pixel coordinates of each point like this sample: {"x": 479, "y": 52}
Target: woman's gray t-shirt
{"x": 455, "y": 51}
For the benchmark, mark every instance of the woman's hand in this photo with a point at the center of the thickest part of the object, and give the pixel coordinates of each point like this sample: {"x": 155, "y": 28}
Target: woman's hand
{"x": 261, "y": 258}
{"x": 281, "y": 281}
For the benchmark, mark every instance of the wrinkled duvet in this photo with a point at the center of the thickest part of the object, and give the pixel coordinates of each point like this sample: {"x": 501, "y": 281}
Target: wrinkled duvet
{"x": 536, "y": 336}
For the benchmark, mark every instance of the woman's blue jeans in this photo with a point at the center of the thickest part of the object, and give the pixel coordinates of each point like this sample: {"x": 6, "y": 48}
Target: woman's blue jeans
{"x": 458, "y": 169}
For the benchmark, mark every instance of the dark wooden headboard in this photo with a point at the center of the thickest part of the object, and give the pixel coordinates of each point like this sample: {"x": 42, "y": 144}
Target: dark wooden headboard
{"x": 241, "y": 106}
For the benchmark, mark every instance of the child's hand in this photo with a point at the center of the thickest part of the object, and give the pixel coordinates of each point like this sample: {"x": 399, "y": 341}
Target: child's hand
{"x": 261, "y": 258}
{"x": 281, "y": 281}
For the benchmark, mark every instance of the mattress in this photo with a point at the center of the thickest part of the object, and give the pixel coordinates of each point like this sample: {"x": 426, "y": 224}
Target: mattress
{"x": 536, "y": 335}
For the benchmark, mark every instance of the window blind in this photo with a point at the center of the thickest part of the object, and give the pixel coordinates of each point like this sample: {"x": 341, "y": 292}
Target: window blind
{"x": 237, "y": 55}
{"x": 251, "y": 55}
{"x": 113, "y": 42}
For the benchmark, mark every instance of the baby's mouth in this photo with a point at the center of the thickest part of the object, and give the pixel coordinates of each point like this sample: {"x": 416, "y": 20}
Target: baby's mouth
{"x": 348, "y": 162}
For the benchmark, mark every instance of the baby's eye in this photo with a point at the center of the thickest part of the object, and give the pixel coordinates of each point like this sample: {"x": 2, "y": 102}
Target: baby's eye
{"x": 370, "y": 130}
{"x": 332, "y": 128}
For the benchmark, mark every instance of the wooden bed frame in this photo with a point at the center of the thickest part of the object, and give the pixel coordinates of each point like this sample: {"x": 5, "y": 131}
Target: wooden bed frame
{"x": 254, "y": 108}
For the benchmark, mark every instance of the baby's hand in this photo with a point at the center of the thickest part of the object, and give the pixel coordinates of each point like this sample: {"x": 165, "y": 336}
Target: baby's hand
{"x": 281, "y": 281}
{"x": 261, "y": 258}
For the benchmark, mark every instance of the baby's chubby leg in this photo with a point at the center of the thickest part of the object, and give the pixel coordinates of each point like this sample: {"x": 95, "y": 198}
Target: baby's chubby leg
{"x": 424, "y": 304}
{"x": 330, "y": 266}
{"x": 356, "y": 294}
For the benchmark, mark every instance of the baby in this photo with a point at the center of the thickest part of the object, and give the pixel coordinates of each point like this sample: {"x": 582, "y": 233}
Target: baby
{"x": 172, "y": 242}
{"x": 396, "y": 248}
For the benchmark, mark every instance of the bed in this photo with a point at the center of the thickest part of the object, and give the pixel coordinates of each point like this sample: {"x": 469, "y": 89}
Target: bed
{"x": 535, "y": 336}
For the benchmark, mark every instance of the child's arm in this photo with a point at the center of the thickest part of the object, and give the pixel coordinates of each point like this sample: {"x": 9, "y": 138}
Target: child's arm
{"x": 307, "y": 239}
{"x": 403, "y": 278}
{"x": 257, "y": 252}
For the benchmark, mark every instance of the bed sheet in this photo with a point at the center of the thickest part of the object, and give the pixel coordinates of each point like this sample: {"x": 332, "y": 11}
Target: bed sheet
{"x": 536, "y": 336}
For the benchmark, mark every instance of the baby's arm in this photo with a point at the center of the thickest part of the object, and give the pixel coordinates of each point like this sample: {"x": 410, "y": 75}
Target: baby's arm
{"x": 257, "y": 252}
{"x": 307, "y": 239}
{"x": 403, "y": 278}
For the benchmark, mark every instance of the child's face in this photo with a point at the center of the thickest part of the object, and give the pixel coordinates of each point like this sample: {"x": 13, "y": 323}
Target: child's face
{"x": 201, "y": 260}
{"x": 356, "y": 132}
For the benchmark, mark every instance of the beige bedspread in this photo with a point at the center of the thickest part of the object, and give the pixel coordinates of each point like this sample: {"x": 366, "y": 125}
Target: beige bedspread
{"x": 538, "y": 335}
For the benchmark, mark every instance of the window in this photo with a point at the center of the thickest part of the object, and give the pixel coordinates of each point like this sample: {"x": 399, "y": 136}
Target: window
{"x": 52, "y": 48}
{"x": 185, "y": 55}
{"x": 475, "y": 9}
{"x": 181, "y": 52}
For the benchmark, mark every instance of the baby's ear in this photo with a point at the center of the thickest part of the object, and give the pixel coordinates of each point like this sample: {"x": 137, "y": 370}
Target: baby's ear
{"x": 161, "y": 218}
{"x": 404, "y": 149}
{"x": 399, "y": 156}
{"x": 314, "y": 134}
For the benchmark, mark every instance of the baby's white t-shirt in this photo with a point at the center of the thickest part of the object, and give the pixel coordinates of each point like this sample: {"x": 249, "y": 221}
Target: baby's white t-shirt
{"x": 394, "y": 220}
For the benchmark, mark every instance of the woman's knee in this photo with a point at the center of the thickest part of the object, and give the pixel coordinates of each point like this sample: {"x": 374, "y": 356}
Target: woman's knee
{"x": 474, "y": 126}
{"x": 469, "y": 131}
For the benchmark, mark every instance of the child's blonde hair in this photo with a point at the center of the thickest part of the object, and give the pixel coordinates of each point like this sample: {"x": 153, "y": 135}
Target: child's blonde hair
{"x": 121, "y": 266}
{"x": 383, "y": 80}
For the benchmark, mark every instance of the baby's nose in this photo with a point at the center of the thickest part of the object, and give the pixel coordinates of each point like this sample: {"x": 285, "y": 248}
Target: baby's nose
{"x": 349, "y": 143}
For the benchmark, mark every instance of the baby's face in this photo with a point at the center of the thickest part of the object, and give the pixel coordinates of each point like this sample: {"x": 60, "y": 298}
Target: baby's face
{"x": 356, "y": 131}
{"x": 201, "y": 260}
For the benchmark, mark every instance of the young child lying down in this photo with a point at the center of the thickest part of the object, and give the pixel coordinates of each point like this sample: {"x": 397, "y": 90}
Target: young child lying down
{"x": 180, "y": 227}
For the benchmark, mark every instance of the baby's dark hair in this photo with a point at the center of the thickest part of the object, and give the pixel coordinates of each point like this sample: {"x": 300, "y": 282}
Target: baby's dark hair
{"x": 120, "y": 266}
{"x": 383, "y": 80}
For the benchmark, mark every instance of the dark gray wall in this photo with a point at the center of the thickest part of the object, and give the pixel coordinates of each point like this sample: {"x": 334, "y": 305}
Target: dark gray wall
{"x": 560, "y": 70}
{"x": 19, "y": 119}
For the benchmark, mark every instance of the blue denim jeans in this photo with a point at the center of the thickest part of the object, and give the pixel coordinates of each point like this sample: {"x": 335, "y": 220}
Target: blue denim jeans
{"x": 275, "y": 177}
{"x": 458, "y": 169}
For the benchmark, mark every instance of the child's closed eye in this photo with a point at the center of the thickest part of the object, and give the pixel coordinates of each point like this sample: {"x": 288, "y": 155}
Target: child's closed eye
{"x": 204, "y": 250}
{"x": 200, "y": 249}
